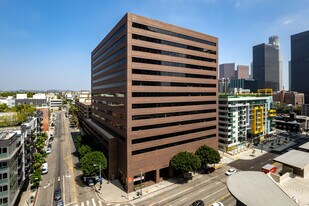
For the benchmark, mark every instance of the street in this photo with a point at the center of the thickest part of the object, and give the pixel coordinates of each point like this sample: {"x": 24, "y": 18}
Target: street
{"x": 62, "y": 172}
{"x": 209, "y": 188}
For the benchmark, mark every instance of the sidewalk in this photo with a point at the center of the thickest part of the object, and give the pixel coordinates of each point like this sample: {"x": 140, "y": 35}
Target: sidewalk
{"x": 114, "y": 193}
{"x": 28, "y": 197}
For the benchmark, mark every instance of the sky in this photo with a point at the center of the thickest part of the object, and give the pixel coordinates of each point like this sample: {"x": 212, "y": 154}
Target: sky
{"x": 46, "y": 44}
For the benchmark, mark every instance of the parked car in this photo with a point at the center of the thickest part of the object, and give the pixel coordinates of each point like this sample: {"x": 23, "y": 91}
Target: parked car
{"x": 218, "y": 204}
{"x": 230, "y": 171}
{"x": 198, "y": 203}
{"x": 209, "y": 170}
{"x": 48, "y": 150}
{"x": 57, "y": 194}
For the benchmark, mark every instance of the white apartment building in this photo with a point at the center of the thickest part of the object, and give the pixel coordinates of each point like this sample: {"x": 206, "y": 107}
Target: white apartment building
{"x": 243, "y": 119}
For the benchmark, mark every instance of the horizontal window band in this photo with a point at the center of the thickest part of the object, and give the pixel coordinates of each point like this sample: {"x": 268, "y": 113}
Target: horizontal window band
{"x": 172, "y": 74}
{"x": 174, "y": 134}
{"x": 172, "y": 114}
{"x": 173, "y": 124}
{"x": 170, "y": 33}
{"x": 169, "y": 53}
{"x": 170, "y": 43}
{"x": 136, "y": 152}
{"x": 173, "y": 64}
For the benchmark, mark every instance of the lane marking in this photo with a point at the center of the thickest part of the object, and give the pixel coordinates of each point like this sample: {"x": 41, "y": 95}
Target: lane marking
{"x": 108, "y": 204}
{"x": 100, "y": 203}
{"x": 82, "y": 204}
{"x": 93, "y": 202}
{"x": 63, "y": 190}
{"x": 183, "y": 199}
{"x": 87, "y": 202}
{"x": 217, "y": 183}
{"x": 214, "y": 193}
{"x": 171, "y": 196}
{"x": 59, "y": 179}
{"x": 221, "y": 198}
{"x": 117, "y": 205}
{"x": 252, "y": 167}
{"x": 202, "y": 190}
{"x": 52, "y": 199}
{"x": 206, "y": 181}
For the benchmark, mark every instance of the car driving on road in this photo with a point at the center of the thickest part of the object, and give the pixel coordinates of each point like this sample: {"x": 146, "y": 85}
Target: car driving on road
{"x": 230, "y": 171}
{"x": 57, "y": 194}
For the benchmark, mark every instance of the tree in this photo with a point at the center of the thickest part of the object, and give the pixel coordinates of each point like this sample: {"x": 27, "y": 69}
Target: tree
{"x": 3, "y": 107}
{"x": 83, "y": 150}
{"x": 185, "y": 162}
{"x": 36, "y": 177}
{"x": 89, "y": 161}
{"x": 208, "y": 155}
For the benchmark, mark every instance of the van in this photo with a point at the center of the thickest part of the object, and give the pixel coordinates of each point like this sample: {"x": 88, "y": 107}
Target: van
{"x": 44, "y": 168}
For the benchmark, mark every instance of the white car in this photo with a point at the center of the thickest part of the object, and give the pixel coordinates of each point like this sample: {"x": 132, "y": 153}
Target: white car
{"x": 48, "y": 150}
{"x": 218, "y": 204}
{"x": 230, "y": 171}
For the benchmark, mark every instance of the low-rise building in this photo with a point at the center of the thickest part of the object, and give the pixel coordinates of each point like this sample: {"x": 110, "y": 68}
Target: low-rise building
{"x": 289, "y": 97}
{"x": 55, "y": 103}
{"x": 292, "y": 123}
{"x": 224, "y": 85}
{"x": 84, "y": 96}
{"x": 305, "y": 110}
{"x": 9, "y": 101}
{"x": 243, "y": 118}
{"x": 21, "y": 96}
{"x": 45, "y": 116}
{"x": 250, "y": 84}
{"x": 32, "y": 102}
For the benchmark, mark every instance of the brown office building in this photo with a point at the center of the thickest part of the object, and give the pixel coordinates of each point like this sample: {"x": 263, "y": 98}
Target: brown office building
{"x": 154, "y": 94}
{"x": 289, "y": 97}
{"x": 242, "y": 72}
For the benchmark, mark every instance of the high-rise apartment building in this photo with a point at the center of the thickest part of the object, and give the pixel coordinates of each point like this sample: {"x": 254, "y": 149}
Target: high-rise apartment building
{"x": 243, "y": 119}
{"x": 227, "y": 70}
{"x": 154, "y": 94}
{"x": 299, "y": 70}
{"x": 267, "y": 65}
{"x": 242, "y": 72}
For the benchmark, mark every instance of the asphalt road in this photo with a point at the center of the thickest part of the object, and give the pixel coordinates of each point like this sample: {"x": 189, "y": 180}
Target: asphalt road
{"x": 52, "y": 179}
{"x": 209, "y": 188}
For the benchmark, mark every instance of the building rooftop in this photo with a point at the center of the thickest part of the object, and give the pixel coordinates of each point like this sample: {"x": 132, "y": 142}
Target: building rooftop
{"x": 256, "y": 188}
{"x": 294, "y": 158}
{"x": 304, "y": 146}
{"x": 6, "y": 135}
{"x": 100, "y": 129}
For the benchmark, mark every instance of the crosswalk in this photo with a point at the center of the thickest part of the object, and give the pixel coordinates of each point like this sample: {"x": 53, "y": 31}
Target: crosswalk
{"x": 91, "y": 202}
{"x": 94, "y": 202}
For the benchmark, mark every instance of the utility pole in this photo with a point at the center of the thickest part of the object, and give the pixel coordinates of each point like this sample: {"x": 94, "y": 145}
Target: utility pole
{"x": 141, "y": 184}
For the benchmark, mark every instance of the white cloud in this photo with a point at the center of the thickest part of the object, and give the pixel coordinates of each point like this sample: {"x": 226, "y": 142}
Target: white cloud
{"x": 287, "y": 21}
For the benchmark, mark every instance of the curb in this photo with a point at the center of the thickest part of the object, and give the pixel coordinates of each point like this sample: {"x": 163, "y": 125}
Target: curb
{"x": 145, "y": 195}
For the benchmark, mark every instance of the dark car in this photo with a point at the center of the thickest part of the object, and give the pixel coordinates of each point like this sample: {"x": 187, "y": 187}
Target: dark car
{"x": 209, "y": 170}
{"x": 59, "y": 203}
{"x": 57, "y": 194}
{"x": 49, "y": 145}
{"x": 198, "y": 203}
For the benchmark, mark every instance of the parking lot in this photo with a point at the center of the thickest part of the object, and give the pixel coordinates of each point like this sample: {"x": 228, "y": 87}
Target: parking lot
{"x": 282, "y": 142}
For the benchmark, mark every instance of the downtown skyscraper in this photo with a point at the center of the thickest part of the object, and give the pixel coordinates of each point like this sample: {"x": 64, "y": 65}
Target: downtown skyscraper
{"x": 267, "y": 64}
{"x": 299, "y": 64}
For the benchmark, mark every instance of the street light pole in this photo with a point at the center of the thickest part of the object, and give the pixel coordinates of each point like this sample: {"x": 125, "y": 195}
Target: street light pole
{"x": 100, "y": 177}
